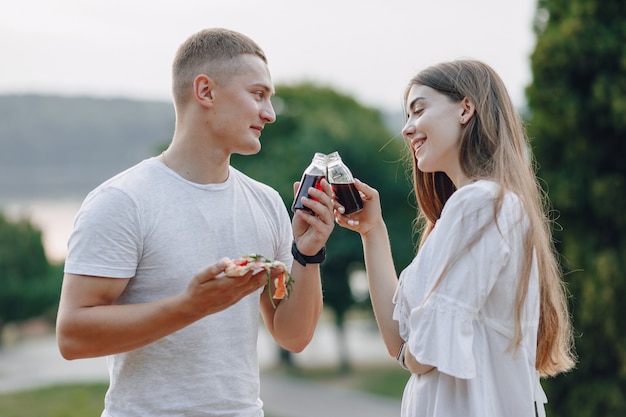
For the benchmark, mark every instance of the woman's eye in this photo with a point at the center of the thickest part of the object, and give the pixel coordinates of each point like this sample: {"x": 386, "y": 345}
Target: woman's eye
{"x": 416, "y": 112}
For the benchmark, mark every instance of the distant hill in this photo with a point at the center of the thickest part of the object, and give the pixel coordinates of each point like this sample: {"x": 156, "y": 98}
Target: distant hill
{"x": 64, "y": 146}
{"x": 54, "y": 146}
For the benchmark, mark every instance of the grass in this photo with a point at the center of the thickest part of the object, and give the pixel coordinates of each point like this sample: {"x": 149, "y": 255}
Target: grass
{"x": 86, "y": 400}
{"x": 83, "y": 400}
{"x": 58, "y": 401}
{"x": 387, "y": 381}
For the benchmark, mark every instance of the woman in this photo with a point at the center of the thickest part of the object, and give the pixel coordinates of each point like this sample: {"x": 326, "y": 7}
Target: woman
{"x": 480, "y": 314}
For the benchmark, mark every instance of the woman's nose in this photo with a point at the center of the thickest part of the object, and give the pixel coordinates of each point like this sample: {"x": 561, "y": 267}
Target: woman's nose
{"x": 408, "y": 130}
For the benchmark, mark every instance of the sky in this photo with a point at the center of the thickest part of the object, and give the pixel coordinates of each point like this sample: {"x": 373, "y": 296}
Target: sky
{"x": 368, "y": 49}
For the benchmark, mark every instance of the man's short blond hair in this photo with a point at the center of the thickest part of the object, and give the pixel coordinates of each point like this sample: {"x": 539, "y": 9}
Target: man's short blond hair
{"x": 210, "y": 52}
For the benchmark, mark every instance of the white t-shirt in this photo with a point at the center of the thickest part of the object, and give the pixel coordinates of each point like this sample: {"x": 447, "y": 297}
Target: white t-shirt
{"x": 151, "y": 225}
{"x": 465, "y": 326}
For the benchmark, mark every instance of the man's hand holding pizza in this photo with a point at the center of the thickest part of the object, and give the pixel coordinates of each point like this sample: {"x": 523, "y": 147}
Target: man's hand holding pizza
{"x": 210, "y": 292}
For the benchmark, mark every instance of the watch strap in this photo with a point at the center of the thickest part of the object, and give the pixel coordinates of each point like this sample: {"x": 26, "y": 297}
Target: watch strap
{"x": 303, "y": 260}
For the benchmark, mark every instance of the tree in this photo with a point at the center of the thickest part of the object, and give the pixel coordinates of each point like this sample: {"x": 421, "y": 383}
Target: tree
{"x": 318, "y": 119}
{"x": 27, "y": 288}
{"x": 577, "y": 104}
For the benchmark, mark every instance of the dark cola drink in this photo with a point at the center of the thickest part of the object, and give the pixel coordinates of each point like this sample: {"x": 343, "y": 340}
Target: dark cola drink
{"x": 307, "y": 182}
{"x": 348, "y": 196}
{"x": 311, "y": 177}
{"x": 340, "y": 178}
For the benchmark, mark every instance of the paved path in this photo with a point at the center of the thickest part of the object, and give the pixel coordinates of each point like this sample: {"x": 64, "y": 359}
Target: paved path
{"x": 37, "y": 363}
{"x": 289, "y": 397}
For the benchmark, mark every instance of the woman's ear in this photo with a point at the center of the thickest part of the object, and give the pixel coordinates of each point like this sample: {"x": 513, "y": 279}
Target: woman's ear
{"x": 467, "y": 110}
{"x": 203, "y": 90}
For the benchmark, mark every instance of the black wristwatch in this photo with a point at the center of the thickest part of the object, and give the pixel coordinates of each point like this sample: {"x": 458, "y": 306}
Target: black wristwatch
{"x": 303, "y": 259}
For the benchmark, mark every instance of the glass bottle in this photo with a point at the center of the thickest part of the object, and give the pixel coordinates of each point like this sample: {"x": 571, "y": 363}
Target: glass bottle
{"x": 340, "y": 178}
{"x": 311, "y": 177}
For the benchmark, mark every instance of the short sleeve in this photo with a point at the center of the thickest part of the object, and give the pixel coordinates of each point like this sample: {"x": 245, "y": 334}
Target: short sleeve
{"x": 467, "y": 252}
{"x": 285, "y": 235}
{"x": 106, "y": 240}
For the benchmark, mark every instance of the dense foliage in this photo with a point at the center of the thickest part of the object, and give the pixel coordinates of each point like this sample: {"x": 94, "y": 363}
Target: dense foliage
{"x": 27, "y": 285}
{"x": 577, "y": 105}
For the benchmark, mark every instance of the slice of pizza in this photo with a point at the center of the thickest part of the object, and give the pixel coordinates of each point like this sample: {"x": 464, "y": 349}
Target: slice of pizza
{"x": 241, "y": 266}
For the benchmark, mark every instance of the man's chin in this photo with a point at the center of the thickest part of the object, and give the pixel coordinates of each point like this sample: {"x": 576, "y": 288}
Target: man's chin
{"x": 249, "y": 151}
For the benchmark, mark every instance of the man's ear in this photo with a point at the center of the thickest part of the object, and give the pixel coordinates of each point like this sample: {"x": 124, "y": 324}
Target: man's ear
{"x": 467, "y": 110}
{"x": 203, "y": 90}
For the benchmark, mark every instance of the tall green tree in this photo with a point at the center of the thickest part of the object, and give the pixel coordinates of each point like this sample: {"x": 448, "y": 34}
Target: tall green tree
{"x": 27, "y": 288}
{"x": 577, "y": 104}
{"x": 313, "y": 119}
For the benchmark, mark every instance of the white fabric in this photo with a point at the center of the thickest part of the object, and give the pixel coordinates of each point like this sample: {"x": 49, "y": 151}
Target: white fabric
{"x": 465, "y": 326}
{"x": 151, "y": 225}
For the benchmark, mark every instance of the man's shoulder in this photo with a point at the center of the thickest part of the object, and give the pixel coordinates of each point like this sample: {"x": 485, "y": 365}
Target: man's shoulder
{"x": 129, "y": 182}
{"x": 252, "y": 182}
{"x": 137, "y": 173}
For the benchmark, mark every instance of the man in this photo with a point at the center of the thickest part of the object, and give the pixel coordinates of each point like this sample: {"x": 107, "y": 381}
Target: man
{"x": 141, "y": 280}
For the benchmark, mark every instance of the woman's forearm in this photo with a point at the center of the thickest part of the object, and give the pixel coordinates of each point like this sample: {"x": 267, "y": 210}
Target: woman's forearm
{"x": 383, "y": 281}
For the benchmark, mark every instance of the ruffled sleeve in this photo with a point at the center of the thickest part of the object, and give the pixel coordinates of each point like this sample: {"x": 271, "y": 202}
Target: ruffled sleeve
{"x": 467, "y": 251}
{"x": 442, "y": 335}
{"x": 401, "y": 310}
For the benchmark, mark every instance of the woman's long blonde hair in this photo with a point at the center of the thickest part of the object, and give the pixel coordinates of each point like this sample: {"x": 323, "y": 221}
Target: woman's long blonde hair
{"x": 494, "y": 146}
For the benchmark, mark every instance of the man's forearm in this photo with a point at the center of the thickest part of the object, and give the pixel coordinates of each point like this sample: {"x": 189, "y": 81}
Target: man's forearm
{"x": 296, "y": 318}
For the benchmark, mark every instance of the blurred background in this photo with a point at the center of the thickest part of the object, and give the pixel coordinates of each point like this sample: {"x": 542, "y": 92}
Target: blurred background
{"x": 85, "y": 94}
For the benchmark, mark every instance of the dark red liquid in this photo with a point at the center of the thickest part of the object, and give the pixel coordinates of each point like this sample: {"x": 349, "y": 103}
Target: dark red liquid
{"x": 307, "y": 182}
{"x": 348, "y": 196}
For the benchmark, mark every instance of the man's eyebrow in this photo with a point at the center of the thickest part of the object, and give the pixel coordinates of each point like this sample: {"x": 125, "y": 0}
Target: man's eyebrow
{"x": 265, "y": 87}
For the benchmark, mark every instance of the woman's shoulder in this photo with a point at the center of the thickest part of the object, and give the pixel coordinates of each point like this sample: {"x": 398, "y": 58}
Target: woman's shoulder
{"x": 487, "y": 197}
{"x": 480, "y": 189}
{"x": 476, "y": 195}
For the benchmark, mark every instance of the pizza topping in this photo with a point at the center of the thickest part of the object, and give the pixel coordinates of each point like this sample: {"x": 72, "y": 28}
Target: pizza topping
{"x": 280, "y": 285}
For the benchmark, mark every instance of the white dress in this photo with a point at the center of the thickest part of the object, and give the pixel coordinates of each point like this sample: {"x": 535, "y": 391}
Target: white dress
{"x": 465, "y": 326}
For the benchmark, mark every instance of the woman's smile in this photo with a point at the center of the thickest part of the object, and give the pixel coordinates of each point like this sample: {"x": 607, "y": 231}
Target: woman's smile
{"x": 417, "y": 143}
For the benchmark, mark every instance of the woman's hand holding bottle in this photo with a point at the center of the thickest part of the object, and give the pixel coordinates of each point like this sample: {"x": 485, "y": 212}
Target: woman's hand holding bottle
{"x": 365, "y": 220}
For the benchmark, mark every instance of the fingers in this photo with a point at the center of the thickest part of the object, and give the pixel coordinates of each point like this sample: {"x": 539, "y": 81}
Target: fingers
{"x": 352, "y": 222}
{"x": 321, "y": 202}
{"x": 210, "y": 272}
{"x": 349, "y": 222}
{"x": 311, "y": 231}
{"x": 249, "y": 282}
{"x": 366, "y": 191}
{"x": 370, "y": 215}
{"x": 232, "y": 289}
{"x": 253, "y": 280}
{"x": 211, "y": 291}
{"x": 259, "y": 280}
{"x": 295, "y": 188}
